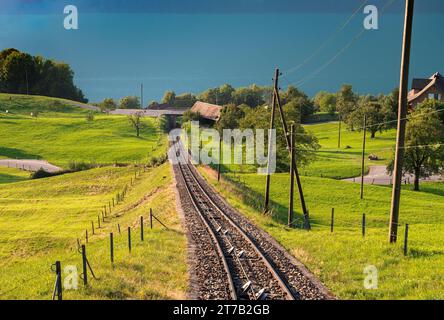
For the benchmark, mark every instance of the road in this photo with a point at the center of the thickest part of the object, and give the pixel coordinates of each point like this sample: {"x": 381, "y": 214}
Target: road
{"x": 378, "y": 175}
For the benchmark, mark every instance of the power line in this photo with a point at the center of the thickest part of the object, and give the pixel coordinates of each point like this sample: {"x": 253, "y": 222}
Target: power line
{"x": 331, "y": 37}
{"x": 379, "y": 123}
{"x": 338, "y": 54}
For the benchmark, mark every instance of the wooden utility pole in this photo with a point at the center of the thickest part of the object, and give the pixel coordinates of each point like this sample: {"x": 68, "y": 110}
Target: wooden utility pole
{"x": 292, "y": 161}
{"x": 220, "y": 159}
{"x": 402, "y": 113}
{"x": 363, "y": 157}
{"x": 295, "y": 168}
{"x": 339, "y": 133}
{"x": 270, "y": 145}
{"x": 141, "y": 95}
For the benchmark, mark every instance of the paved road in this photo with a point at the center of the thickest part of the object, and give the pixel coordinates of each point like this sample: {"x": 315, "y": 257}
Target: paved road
{"x": 378, "y": 175}
{"x": 29, "y": 165}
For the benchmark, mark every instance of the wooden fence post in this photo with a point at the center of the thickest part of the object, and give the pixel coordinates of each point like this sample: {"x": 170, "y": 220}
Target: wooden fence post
{"x": 129, "y": 239}
{"x": 363, "y": 225}
{"x": 98, "y": 220}
{"x": 151, "y": 218}
{"x": 332, "y": 223}
{"x": 406, "y": 240}
{"x": 111, "y": 246}
{"x": 92, "y": 227}
{"x": 141, "y": 228}
{"x": 118, "y": 226}
{"x": 86, "y": 235}
{"x": 58, "y": 285}
{"x": 85, "y": 271}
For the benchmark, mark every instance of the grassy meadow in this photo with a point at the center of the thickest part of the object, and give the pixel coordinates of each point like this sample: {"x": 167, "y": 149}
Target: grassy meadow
{"x": 62, "y": 134}
{"x": 331, "y": 161}
{"x": 41, "y": 220}
{"x": 339, "y": 258}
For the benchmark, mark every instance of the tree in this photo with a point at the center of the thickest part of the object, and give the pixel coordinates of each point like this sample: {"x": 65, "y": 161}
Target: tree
{"x": 135, "y": 120}
{"x": 346, "y": 103}
{"x": 130, "y": 102}
{"x": 373, "y": 110}
{"x": 424, "y": 154}
{"x": 229, "y": 117}
{"x": 252, "y": 96}
{"x": 169, "y": 98}
{"x": 22, "y": 73}
{"x": 307, "y": 143}
{"x": 183, "y": 101}
{"x": 328, "y": 103}
{"x": 108, "y": 104}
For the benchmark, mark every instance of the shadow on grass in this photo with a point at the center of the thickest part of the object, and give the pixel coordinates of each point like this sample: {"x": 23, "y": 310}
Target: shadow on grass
{"x": 13, "y": 153}
{"x": 416, "y": 253}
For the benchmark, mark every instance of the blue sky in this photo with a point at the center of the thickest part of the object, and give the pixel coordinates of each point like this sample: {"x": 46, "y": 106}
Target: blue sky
{"x": 188, "y": 46}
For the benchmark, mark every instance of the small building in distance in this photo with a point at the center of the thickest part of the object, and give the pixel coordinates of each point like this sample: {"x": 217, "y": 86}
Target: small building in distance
{"x": 423, "y": 89}
{"x": 207, "y": 111}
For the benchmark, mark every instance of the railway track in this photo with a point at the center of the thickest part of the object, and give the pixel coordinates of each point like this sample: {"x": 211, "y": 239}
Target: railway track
{"x": 249, "y": 273}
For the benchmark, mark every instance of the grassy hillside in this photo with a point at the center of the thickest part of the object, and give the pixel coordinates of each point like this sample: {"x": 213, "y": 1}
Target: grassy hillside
{"x": 41, "y": 220}
{"x": 62, "y": 134}
{"x": 339, "y": 259}
{"x": 8, "y": 175}
{"x": 17, "y": 104}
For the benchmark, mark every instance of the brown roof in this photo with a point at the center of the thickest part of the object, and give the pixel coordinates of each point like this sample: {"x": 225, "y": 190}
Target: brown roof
{"x": 435, "y": 80}
{"x": 207, "y": 110}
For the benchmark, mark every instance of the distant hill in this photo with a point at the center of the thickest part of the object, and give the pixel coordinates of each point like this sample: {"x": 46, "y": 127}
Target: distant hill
{"x": 27, "y": 104}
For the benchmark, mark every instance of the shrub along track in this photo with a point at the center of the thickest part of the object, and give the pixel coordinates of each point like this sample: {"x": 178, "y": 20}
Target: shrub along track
{"x": 233, "y": 259}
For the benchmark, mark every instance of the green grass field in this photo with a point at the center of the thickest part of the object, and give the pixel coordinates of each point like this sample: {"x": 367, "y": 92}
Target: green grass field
{"x": 340, "y": 163}
{"x": 8, "y": 175}
{"x": 41, "y": 220}
{"x": 66, "y": 136}
{"x": 339, "y": 259}
{"x": 331, "y": 161}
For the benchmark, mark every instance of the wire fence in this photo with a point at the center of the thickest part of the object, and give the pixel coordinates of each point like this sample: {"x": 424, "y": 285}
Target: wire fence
{"x": 95, "y": 255}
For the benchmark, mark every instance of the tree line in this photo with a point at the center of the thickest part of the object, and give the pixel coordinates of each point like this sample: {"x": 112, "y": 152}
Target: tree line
{"x": 22, "y": 73}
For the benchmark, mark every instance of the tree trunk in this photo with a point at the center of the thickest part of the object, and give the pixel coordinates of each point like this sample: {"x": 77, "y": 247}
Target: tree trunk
{"x": 417, "y": 176}
{"x": 138, "y": 131}
{"x": 373, "y": 135}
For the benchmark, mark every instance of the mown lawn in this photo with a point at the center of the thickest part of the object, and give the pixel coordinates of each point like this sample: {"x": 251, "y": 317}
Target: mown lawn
{"x": 42, "y": 219}
{"x": 339, "y": 259}
{"x": 66, "y": 136}
{"x": 345, "y": 162}
{"x": 331, "y": 161}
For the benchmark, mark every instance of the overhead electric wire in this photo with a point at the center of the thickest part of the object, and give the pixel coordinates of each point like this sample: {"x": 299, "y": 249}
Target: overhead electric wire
{"x": 331, "y": 37}
{"x": 308, "y": 77}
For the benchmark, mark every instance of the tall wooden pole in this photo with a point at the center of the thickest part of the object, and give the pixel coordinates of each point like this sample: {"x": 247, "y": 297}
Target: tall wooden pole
{"x": 220, "y": 159}
{"x": 296, "y": 172}
{"x": 141, "y": 95}
{"x": 290, "y": 206}
{"x": 363, "y": 157}
{"x": 270, "y": 145}
{"x": 402, "y": 113}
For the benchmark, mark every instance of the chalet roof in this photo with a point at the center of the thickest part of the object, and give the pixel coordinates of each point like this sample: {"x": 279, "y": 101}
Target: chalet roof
{"x": 207, "y": 110}
{"x": 422, "y": 85}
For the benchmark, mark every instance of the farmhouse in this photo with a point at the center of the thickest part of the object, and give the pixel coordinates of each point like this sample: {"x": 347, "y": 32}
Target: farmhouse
{"x": 210, "y": 112}
{"x": 422, "y": 89}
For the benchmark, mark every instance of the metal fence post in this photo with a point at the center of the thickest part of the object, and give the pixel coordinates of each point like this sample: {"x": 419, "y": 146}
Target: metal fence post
{"x": 332, "y": 223}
